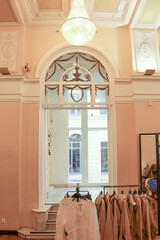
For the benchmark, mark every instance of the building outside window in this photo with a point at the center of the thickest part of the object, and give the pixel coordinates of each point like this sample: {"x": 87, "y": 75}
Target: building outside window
{"x": 75, "y": 153}
{"x": 104, "y": 157}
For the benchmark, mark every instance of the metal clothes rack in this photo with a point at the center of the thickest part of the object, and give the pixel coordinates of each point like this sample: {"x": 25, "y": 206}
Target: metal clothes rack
{"x": 121, "y": 186}
{"x": 78, "y": 191}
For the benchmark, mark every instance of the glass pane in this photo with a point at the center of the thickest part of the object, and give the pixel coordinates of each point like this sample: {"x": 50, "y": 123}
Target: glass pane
{"x": 75, "y": 145}
{"x": 77, "y": 74}
{"x": 104, "y": 159}
{"x": 96, "y": 76}
{"x": 76, "y": 95}
{"x": 96, "y": 119}
{"x": 104, "y": 144}
{"x": 101, "y": 96}
{"x": 55, "y": 76}
{"x": 97, "y": 147}
{"x": 52, "y": 95}
{"x": 75, "y": 156}
{"x": 74, "y": 120}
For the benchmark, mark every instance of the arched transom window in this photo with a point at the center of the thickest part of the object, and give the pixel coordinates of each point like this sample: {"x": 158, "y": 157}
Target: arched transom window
{"x": 76, "y": 79}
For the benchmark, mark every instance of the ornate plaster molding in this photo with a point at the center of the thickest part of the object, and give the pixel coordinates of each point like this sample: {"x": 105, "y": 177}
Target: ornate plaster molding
{"x": 9, "y": 49}
{"x": 34, "y": 16}
{"x": 145, "y": 50}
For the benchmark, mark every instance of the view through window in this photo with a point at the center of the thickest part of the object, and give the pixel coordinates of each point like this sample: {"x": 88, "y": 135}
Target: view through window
{"x": 76, "y": 99}
{"x": 77, "y": 146}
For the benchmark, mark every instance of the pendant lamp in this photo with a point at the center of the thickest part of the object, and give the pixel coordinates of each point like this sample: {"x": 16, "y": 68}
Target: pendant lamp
{"x": 78, "y": 29}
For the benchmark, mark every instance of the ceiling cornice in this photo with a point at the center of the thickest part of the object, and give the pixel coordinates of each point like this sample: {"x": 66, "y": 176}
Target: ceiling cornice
{"x": 135, "y": 23}
{"x": 34, "y": 16}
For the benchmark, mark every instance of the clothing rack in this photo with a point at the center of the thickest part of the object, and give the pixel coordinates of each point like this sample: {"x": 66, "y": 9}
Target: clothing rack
{"x": 120, "y": 186}
{"x": 77, "y": 193}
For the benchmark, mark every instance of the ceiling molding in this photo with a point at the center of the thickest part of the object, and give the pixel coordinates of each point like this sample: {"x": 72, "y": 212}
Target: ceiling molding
{"x": 138, "y": 13}
{"x": 34, "y": 16}
{"x": 130, "y": 6}
{"x": 117, "y": 18}
{"x": 27, "y": 12}
{"x": 17, "y": 12}
{"x": 135, "y": 23}
{"x": 7, "y": 24}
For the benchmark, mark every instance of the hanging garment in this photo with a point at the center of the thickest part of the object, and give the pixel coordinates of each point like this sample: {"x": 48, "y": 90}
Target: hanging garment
{"x": 124, "y": 225}
{"x": 153, "y": 185}
{"x": 108, "y": 231}
{"x": 101, "y": 213}
{"x": 138, "y": 224}
{"x": 116, "y": 217}
{"x": 77, "y": 221}
{"x": 131, "y": 206}
{"x": 153, "y": 225}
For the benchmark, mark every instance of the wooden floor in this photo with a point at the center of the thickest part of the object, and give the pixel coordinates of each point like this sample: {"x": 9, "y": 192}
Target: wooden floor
{"x": 10, "y": 237}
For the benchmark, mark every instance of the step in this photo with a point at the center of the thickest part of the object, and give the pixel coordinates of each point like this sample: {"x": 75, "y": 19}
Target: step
{"x": 29, "y": 233}
{"x": 54, "y": 208}
{"x": 51, "y": 225}
{"x": 52, "y": 216}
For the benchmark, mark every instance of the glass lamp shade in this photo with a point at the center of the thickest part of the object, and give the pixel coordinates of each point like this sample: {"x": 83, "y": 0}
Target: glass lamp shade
{"x": 78, "y": 29}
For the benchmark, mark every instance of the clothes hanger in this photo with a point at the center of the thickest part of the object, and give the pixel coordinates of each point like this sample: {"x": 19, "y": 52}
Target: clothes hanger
{"x": 134, "y": 192}
{"x": 77, "y": 195}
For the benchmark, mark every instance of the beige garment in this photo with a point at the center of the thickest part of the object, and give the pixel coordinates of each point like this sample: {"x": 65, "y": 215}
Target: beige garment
{"x": 154, "y": 209}
{"x": 125, "y": 225}
{"x": 116, "y": 217}
{"x": 108, "y": 232}
{"x": 138, "y": 225}
{"x": 131, "y": 206}
{"x": 77, "y": 221}
{"x": 101, "y": 213}
{"x": 146, "y": 219}
{"x": 143, "y": 208}
{"x": 153, "y": 223}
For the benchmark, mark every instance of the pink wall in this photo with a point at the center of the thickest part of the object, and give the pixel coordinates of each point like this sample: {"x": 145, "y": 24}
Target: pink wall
{"x": 29, "y": 162}
{"x": 126, "y": 144}
{"x": 113, "y": 42}
{"x": 133, "y": 119}
{"x": 124, "y": 57}
{"x": 147, "y": 117}
{"x": 9, "y": 164}
{"x": 19, "y": 128}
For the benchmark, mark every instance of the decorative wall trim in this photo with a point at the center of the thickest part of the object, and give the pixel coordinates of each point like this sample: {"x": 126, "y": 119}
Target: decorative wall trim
{"x": 137, "y": 89}
{"x": 9, "y": 49}
{"x": 19, "y": 89}
{"x": 127, "y": 90}
{"x": 145, "y": 50}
